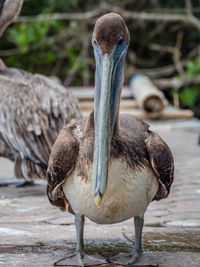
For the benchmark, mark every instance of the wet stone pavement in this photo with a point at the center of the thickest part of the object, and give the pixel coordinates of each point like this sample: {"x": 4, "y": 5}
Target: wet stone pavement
{"x": 34, "y": 233}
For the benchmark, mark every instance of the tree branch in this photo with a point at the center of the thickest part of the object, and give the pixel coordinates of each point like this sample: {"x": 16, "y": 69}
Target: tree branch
{"x": 145, "y": 16}
{"x": 76, "y": 65}
{"x": 60, "y": 16}
{"x": 176, "y": 83}
{"x": 170, "y": 69}
{"x": 188, "y": 6}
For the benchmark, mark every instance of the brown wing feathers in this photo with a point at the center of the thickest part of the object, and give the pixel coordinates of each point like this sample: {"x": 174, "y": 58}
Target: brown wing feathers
{"x": 161, "y": 160}
{"x": 62, "y": 162}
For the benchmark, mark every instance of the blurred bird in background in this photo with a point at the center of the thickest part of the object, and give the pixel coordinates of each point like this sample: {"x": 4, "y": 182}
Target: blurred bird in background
{"x": 33, "y": 109}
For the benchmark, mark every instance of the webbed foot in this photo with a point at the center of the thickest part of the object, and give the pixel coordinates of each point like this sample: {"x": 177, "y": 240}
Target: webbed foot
{"x": 133, "y": 259}
{"x": 78, "y": 259}
{"x": 126, "y": 259}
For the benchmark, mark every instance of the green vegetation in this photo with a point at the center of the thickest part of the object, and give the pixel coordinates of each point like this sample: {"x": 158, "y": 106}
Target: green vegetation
{"x": 190, "y": 95}
{"x": 63, "y": 47}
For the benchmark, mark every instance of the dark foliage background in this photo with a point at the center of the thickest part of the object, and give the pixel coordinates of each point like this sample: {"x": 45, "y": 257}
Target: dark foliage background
{"x": 61, "y": 47}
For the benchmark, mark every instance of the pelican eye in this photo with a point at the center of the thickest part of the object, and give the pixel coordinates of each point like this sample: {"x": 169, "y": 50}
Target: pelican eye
{"x": 121, "y": 39}
{"x": 94, "y": 41}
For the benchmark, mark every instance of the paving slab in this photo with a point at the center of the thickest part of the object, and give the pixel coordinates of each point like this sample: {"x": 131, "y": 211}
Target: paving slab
{"x": 34, "y": 233}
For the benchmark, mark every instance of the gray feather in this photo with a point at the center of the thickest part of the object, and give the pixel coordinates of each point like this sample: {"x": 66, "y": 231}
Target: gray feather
{"x": 33, "y": 110}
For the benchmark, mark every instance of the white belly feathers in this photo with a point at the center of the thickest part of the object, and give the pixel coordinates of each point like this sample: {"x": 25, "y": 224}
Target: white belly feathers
{"x": 128, "y": 193}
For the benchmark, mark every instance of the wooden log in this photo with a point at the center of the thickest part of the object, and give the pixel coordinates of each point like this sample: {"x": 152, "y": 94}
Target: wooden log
{"x": 87, "y": 93}
{"x": 168, "y": 114}
{"x": 149, "y": 98}
{"x": 125, "y": 104}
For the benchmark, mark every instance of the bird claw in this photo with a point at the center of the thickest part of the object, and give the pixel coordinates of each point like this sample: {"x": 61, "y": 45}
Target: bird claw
{"x": 81, "y": 260}
{"x": 133, "y": 259}
{"x": 126, "y": 259}
{"x": 129, "y": 239}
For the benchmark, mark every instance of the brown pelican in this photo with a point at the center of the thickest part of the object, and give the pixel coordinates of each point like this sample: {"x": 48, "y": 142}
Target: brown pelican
{"x": 108, "y": 167}
{"x": 33, "y": 109}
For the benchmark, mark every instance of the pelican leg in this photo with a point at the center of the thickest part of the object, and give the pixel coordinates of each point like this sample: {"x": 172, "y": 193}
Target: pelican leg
{"x": 79, "y": 258}
{"x": 79, "y": 223}
{"x": 136, "y": 258}
{"x": 139, "y": 223}
{"x": 128, "y": 259}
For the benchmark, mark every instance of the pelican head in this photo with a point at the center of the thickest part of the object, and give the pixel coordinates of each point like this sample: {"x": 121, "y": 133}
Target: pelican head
{"x": 110, "y": 41}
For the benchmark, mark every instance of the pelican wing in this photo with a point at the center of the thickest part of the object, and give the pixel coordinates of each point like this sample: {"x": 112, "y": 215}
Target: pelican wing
{"x": 24, "y": 122}
{"x": 61, "y": 105}
{"x": 5, "y": 150}
{"x": 162, "y": 162}
{"x": 62, "y": 162}
{"x": 33, "y": 109}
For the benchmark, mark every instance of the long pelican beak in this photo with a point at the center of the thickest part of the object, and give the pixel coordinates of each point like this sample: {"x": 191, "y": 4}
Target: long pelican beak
{"x": 108, "y": 84}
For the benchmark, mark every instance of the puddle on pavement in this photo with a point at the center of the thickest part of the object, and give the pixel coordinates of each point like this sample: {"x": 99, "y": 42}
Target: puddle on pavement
{"x": 169, "y": 242}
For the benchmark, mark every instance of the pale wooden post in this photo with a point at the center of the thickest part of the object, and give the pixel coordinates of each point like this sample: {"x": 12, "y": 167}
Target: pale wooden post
{"x": 149, "y": 97}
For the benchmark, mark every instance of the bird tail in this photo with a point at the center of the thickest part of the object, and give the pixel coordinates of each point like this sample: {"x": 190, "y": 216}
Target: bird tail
{"x": 29, "y": 170}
